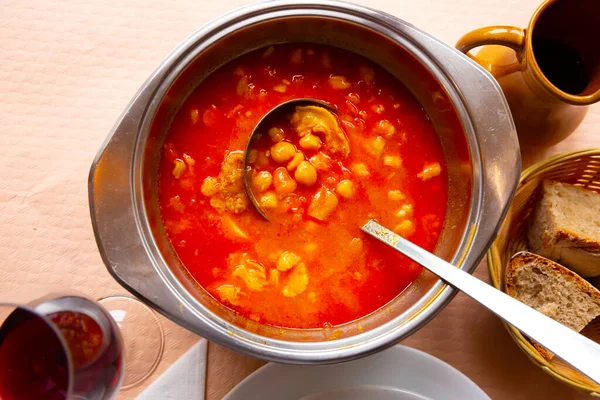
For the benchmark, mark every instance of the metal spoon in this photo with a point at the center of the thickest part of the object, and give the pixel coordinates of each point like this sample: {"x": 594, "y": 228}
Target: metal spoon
{"x": 577, "y": 350}
{"x": 262, "y": 128}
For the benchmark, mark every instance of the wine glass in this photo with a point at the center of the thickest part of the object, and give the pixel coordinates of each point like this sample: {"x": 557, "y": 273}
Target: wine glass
{"x": 62, "y": 344}
{"x": 63, "y": 348}
{"x": 143, "y": 337}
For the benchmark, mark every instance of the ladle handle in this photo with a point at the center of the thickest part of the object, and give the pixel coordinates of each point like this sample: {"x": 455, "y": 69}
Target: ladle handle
{"x": 577, "y": 350}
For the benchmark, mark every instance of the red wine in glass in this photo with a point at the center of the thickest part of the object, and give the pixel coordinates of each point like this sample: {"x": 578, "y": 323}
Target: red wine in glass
{"x": 64, "y": 347}
{"x": 33, "y": 361}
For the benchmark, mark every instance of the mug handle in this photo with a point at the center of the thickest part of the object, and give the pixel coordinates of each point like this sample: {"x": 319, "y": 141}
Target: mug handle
{"x": 508, "y": 36}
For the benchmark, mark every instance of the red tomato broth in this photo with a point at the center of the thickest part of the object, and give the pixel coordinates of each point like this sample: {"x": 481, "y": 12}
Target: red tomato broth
{"x": 348, "y": 281}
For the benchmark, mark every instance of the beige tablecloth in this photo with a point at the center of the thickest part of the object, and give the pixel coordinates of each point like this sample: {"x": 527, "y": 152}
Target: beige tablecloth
{"x": 68, "y": 69}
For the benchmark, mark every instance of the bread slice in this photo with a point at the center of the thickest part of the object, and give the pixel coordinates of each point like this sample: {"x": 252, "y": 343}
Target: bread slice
{"x": 553, "y": 290}
{"x": 565, "y": 227}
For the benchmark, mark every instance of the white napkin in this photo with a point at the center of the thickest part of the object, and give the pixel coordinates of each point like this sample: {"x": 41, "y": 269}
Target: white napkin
{"x": 185, "y": 379}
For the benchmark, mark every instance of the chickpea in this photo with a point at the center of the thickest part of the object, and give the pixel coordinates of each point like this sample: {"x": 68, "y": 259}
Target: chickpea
{"x": 276, "y": 134}
{"x": 194, "y": 114}
{"x": 283, "y": 182}
{"x": 360, "y": 170}
{"x": 310, "y": 142}
{"x": 339, "y": 82}
{"x": 352, "y": 107}
{"x": 179, "y": 168}
{"x": 392, "y": 161}
{"x": 376, "y": 146}
{"x": 354, "y": 98}
{"x": 306, "y": 174}
{"x": 345, "y": 189}
{"x": 430, "y": 171}
{"x": 262, "y": 180}
{"x": 378, "y": 108}
{"x": 396, "y": 195}
{"x": 405, "y": 211}
{"x": 189, "y": 161}
{"x": 385, "y": 128}
{"x": 282, "y": 152}
{"x": 405, "y": 228}
{"x": 210, "y": 117}
{"x": 287, "y": 260}
{"x": 252, "y": 156}
{"x": 269, "y": 200}
{"x": 298, "y": 157}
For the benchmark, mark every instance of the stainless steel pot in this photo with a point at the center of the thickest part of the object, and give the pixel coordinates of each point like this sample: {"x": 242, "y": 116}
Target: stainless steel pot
{"x": 463, "y": 101}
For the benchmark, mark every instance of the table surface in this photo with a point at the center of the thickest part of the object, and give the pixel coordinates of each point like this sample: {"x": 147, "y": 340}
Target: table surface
{"x": 69, "y": 68}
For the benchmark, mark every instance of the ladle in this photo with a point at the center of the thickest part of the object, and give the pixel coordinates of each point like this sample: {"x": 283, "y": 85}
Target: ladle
{"x": 262, "y": 128}
{"x": 577, "y": 350}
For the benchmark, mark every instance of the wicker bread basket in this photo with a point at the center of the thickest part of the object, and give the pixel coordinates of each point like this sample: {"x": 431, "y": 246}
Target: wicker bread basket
{"x": 581, "y": 168}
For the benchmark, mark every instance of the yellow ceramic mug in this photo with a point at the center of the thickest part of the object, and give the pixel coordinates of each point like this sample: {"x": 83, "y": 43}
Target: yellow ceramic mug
{"x": 549, "y": 72}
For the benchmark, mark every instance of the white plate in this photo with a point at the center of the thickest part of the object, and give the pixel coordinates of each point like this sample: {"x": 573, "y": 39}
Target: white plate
{"x": 399, "y": 373}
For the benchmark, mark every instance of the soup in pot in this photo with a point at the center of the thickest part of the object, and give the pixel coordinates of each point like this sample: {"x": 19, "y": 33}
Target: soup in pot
{"x": 320, "y": 176}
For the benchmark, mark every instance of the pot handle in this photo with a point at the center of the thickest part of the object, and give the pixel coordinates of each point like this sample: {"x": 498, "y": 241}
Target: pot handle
{"x": 508, "y": 36}
{"x": 113, "y": 219}
{"x": 498, "y": 146}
